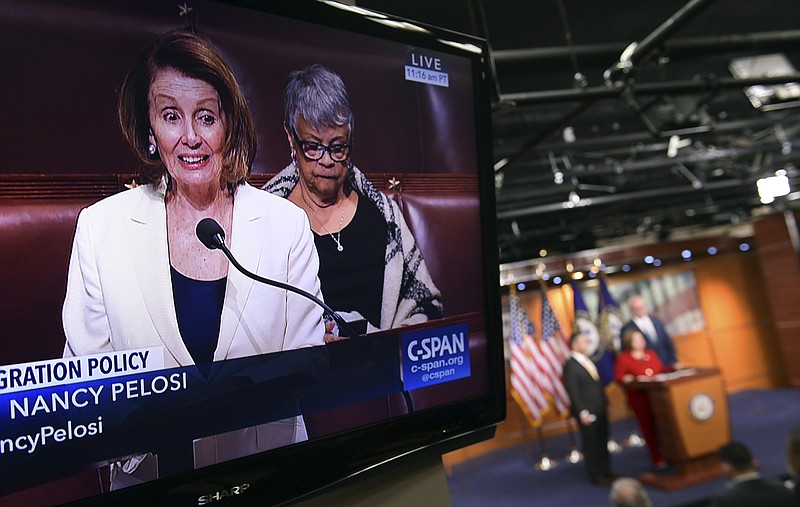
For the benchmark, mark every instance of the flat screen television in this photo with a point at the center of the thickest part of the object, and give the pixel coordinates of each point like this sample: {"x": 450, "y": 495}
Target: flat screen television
{"x": 421, "y": 137}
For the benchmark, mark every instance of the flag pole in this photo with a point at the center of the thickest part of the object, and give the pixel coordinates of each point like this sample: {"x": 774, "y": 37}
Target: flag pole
{"x": 574, "y": 455}
{"x": 545, "y": 463}
{"x": 527, "y": 448}
{"x": 525, "y": 375}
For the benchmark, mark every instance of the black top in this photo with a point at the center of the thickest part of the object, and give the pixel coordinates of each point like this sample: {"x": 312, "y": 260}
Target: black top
{"x": 352, "y": 280}
{"x": 198, "y": 307}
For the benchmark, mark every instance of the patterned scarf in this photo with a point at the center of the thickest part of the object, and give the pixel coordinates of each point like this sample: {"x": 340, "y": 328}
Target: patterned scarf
{"x": 409, "y": 294}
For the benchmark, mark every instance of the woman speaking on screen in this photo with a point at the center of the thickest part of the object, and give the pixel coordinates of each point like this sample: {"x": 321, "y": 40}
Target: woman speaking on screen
{"x": 139, "y": 276}
{"x": 371, "y": 270}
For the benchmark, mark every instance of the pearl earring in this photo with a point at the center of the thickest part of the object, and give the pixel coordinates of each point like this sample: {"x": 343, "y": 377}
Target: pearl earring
{"x": 152, "y": 149}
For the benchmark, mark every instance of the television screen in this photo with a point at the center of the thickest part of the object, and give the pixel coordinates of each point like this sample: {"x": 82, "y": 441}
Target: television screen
{"x": 340, "y": 312}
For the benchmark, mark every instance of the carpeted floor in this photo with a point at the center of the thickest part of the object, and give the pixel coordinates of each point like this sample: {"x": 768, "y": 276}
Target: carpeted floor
{"x": 508, "y": 478}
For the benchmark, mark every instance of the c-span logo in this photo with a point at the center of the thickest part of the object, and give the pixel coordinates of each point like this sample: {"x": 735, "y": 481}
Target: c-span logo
{"x": 435, "y": 355}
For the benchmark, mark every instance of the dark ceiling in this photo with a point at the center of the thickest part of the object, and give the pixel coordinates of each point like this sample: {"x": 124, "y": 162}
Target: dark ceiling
{"x": 592, "y": 153}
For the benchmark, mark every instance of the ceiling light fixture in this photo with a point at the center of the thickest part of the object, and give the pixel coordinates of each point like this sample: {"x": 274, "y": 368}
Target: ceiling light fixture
{"x": 767, "y": 97}
{"x": 773, "y": 186}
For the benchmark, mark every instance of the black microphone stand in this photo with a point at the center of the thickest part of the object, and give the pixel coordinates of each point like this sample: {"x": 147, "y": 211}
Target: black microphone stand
{"x": 344, "y": 327}
{"x": 213, "y": 237}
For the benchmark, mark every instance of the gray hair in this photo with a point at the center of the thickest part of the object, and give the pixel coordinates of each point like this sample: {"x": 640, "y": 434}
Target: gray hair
{"x": 319, "y": 96}
{"x": 628, "y": 492}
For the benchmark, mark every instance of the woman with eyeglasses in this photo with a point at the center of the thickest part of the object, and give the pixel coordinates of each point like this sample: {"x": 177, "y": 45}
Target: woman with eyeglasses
{"x": 371, "y": 270}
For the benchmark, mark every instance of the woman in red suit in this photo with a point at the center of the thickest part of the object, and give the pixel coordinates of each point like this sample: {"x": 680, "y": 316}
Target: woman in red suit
{"x": 637, "y": 361}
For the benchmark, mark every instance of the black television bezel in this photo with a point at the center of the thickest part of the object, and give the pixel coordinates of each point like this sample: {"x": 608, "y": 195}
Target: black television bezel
{"x": 309, "y": 468}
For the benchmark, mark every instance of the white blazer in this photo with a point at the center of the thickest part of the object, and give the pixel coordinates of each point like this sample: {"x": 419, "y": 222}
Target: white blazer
{"x": 119, "y": 295}
{"x": 119, "y": 289}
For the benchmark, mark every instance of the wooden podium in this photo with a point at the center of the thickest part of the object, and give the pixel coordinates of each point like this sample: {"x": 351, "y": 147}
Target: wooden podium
{"x": 691, "y": 413}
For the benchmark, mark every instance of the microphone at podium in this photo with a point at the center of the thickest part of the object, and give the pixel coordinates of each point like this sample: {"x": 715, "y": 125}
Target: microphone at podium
{"x": 210, "y": 233}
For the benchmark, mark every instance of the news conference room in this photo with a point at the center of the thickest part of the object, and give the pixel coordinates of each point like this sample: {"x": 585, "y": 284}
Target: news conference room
{"x": 459, "y": 253}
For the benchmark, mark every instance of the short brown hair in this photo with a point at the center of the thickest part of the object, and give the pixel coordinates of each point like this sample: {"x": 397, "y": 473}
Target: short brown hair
{"x": 627, "y": 338}
{"x": 195, "y": 57}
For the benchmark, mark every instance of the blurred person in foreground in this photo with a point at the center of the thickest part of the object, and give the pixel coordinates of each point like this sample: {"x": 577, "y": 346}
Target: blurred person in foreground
{"x": 139, "y": 276}
{"x": 628, "y": 492}
{"x": 588, "y": 404}
{"x": 371, "y": 269}
{"x": 746, "y": 487}
{"x": 635, "y": 362}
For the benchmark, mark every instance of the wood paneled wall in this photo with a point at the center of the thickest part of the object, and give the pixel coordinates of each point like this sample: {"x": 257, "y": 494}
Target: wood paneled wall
{"x": 740, "y": 336}
{"x": 780, "y": 271}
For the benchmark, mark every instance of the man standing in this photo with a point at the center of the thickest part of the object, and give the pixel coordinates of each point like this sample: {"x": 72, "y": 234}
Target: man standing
{"x": 746, "y": 487}
{"x": 655, "y": 334}
{"x": 588, "y": 399}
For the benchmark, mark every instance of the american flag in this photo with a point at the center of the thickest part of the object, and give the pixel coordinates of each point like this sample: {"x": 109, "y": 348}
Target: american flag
{"x": 526, "y": 377}
{"x": 555, "y": 353}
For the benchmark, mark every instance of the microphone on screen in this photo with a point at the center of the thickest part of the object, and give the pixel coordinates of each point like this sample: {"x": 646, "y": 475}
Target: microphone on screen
{"x": 211, "y": 234}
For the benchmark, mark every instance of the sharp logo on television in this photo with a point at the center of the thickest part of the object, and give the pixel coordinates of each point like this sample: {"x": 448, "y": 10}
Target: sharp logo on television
{"x": 435, "y": 355}
{"x": 222, "y": 494}
{"x": 426, "y": 69}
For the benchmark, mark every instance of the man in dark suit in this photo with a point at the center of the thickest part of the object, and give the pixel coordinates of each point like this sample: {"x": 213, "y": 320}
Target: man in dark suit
{"x": 746, "y": 487}
{"x": 588, "y": 399}
{"x": 655, "y": 334}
